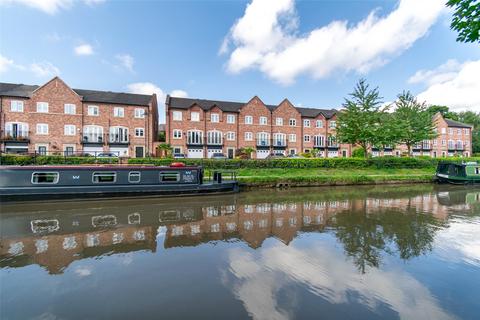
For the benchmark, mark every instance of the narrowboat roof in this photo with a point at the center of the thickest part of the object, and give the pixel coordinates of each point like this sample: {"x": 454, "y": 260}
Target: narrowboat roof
{"x": 97, "y": 167}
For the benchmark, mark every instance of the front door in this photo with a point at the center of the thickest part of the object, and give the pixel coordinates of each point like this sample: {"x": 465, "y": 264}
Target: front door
{"x": 42, "y": 150}
{"x": 344, "y": 153}
{"x": 139, "y": 152}
{"x": 230, "y": 153}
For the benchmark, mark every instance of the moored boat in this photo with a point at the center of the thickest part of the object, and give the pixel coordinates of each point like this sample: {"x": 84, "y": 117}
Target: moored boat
{"x": 54, "y": 182}
{"x": 458, "y": 173}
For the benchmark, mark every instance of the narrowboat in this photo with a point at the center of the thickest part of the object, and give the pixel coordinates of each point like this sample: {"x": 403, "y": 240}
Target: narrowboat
{"x": 458, "y": 173}
{"x": 54, "y": 182}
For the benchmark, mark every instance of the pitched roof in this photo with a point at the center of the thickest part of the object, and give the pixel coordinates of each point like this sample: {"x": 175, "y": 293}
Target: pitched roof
{"x": 25, "y": 91}
{"x": 230, "y": 106}
{"x": 456, "y": 124}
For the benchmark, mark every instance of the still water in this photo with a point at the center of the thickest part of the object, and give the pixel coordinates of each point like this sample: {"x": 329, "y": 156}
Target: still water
{"x": 409, "y": 252}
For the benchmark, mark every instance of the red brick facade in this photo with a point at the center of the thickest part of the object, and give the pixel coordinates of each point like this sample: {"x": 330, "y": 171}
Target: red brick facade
{"x": 284, "y": 129}
{"x": 45, "y": 124}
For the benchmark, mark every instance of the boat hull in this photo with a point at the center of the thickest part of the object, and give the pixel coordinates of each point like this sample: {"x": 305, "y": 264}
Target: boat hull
{"x": 442, "y": 178}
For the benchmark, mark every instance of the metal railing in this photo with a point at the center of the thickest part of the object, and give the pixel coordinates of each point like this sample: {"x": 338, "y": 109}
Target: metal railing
{"x": 15, "y": 135}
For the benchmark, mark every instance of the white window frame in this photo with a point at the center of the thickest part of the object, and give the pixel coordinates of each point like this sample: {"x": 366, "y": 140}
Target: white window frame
{"x": 263, "y": 121}
{"x": 332, "y": 124}
{"x": 42, "y": 125}
{"x": 292, "y": 137}
{"x": 319, "y": 123}
{"x": 230, "y": 118}
{"x": 214, "y": 137}
{"x": 195, "y": 116}
{"x": 177, "y": 115}
{"x": 139, "y": 113}
{"x": 142, "y": 130}
{"x": 16, "y": 106}
{"x": 93, "y": 131}
{"x": 215, "y": 117}
{"x": 69, "y": 108}
{"x": 248, "y": 119}
{"x": 42, "y": 107}
{"x": 119, "y": 112}
{"x": 195, "y": 137}
{"x": 279, "y": 121}
{"x": 118, "y": 134}
{"x": 71, "y": 131}
{"x": 55, "y": 181}
{"x": 248, "y": 136}
{"x": 93, "y": 111}
{"x": 306, "y": 138}
{"x": 177, "y": 134}
{"x": 306, "y": 123}
{"x": 231, "y": 136}
{"x": 292, "y": 122}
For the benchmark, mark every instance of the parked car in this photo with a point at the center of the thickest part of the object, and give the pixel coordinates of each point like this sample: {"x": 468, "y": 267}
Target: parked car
{"x": 275, "y": 156}
{"x": 179, "y": 156}
{"x": 107, "y": 155}
{"x": 219, "y": 156}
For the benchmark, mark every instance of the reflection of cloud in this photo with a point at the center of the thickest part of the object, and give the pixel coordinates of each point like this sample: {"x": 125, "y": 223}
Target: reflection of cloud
{"x": 83, "y": 271}
{"x": 258, "y": 280}
{"x": 460, "y": 242}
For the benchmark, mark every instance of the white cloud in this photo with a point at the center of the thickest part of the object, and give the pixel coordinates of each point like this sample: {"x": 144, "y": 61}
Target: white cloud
{"x": 50, "y": 6}
{"x": 150, "y": 88}
{"x": 44, "y": 69}
{"x": 266, "y": 38}
{"x": 83, "y": 271}
{"x": 126, "y": 61}
{"x": 83, "y": 50}
{"x": 5, "y": 63}
{"x": 179, "y": 94}
{"x": 452, "y": 84}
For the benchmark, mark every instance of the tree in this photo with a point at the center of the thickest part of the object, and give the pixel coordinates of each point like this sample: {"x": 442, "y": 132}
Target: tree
{"x": 360, "y": 119}
{"x": 249, "y": 151}
{"x": 472, "y": 118}
{"x": 444, "y": 110}
{"x": 387, "y": 132}
{"x": 414, "y": 121}
{"x": 466, "y": 19}
{"x": 165, "y": 149}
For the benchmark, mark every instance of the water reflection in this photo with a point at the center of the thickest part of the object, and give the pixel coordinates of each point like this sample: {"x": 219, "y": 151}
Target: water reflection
{"x": 368, "y": 222}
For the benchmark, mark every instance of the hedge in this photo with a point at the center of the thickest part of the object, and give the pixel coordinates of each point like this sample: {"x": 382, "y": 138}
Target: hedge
{"x": 347, "y": 163}
{"x": 51, "y": 160}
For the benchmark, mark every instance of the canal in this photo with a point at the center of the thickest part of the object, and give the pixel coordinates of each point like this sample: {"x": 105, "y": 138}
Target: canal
{"x": 369, "y": 252}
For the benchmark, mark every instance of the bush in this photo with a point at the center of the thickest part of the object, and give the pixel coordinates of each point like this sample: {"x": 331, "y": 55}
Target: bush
{"x": 358, "y": 153}
{"x": 22, "y": 160}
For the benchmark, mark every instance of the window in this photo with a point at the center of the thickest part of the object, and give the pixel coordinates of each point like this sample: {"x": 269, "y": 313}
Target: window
{"x": 134, "y": 177}
{"x": 177, "y": 115}
{"x": 248, "y": 120}
{"x": 139, "y": 113}
{"x": 118, "y": 112}
{"x": 318, "y": 141}
{"x": 450, "y": 131}
{"x": 435, "y": 142}
{"x": 194, "y": 116}
{"x": 248, "y": 136}
{"x": 45, "y": 177}
{"x": 104, "y": 177}
{"x": 319, "y": 124}
{"x": 16, "y": 129}
{"x": 169, "y": 176}
{"x": 292, "y": 122}
{"x": 444, "y": 130}
{"x": 214, "y": 117}
{"x": 16, "y": 106}
{"x": 444, "y": 142}
{"x": 42, "y": 128}
{"x": 42, "y": 107}
{"x": 332, "y": 124}
{"x": 69, "y": 108}
{"x": 292, "y": 137}
{"x": 231, "y": 136}
{"x": 118, "y": 135}
{"x": 230, "y": 118}
{"x": 279, "y": 139}
{"x": 279, "y": 121}
{"x": 139, "y": 132}
{"x": 263, "y": 139}
{"x": 195, "y": 137}
{"x": 93, "y": 134}
{"x": 306, "y": 138}
{"x": 263, "y": 120}
{"x": 177, "y": 150}
{"x": 177, "y": 134}
{"x": 69, "y": 150}
{"x": 466, "y": 131}
{"x": 306, "y": 123}
{"x": 214, "y": 138}
{"x": 459, "y": 131}
{"x": 332, "y": 141}
{"x": 93, "y": 111}
{"x": 69, "y": 130}
{"x": 42, "y": 150}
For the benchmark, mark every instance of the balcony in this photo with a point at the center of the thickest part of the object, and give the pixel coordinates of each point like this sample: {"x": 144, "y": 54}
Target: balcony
{"x": 117, "y": 139}
{"x": 18, "y": 136}
{"x": 214, "y": 142}
{"x": 263, "y": 143}
{"x": 92, "y": 139}
{"x": 319, "y": 145}
{"x": 279, "y": 143}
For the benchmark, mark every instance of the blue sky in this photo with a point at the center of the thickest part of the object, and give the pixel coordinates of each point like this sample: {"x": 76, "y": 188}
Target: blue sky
{"x": 176, "y": 47}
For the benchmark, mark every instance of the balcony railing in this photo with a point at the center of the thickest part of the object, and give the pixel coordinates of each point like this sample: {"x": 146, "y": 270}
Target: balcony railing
{"x": 214, "y": 142}
{"x": 263, "y": 143}
{"x": 279, "y": 143}
{"x": 92, "y": 138}
{"x": 118, "y": 139}
{"x": 15, "y": 136}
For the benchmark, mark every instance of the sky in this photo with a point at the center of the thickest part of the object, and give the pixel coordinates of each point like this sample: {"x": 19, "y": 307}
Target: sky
{"x": 311, "y": 52}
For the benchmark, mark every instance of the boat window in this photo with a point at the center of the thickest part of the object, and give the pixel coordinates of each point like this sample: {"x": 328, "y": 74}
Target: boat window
{"x": 45, "y": 177}
{"x": 169, "y": 176}
{"x": 104, "y": 177}
{"x": 477, "y": 170}
{"x": 134, "y": 177}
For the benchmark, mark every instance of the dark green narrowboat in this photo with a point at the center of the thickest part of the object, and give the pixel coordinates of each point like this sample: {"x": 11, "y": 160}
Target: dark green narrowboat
{"x": 458, "y": 173}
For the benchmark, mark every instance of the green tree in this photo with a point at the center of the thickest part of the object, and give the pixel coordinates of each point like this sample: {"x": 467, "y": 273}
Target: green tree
{"x": 466, "y": 19}
{"x": 387, "y": 132}
{"x": 248, "y": 151}
{"x": 165, "y": 149}
{"x": 473, "y": 119}
{"x": 414, "y": 121}
{"x": 444, "y": 110}
{"x": 360, "y": 119}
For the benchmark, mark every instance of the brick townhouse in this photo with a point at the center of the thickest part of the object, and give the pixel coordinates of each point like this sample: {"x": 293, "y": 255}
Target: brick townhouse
{"x": 56, "y": 119}
{"x": 199, "y": 128}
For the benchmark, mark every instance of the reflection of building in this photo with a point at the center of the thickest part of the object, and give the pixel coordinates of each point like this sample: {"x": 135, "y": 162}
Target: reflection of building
{"x": 56, "y": 252}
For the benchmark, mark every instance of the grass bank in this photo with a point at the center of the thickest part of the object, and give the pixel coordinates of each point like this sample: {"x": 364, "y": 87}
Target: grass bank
{"x": 330, "y": 176}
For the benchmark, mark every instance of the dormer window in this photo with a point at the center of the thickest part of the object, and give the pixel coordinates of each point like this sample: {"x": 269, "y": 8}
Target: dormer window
{"x": 93, "y": 111}
{"x": 42, "y": 107}
{"x": 16, "y": 106}
{"x": 215, "y": 117}
{"x": 195, "y": 116}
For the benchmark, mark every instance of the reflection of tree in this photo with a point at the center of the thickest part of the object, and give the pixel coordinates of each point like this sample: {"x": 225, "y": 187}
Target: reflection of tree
{"x": 366, "y": 237}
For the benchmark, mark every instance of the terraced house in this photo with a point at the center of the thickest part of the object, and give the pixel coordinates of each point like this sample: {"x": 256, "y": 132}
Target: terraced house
{"x": 200, "y": 128}
{"x": 56, "y": 119}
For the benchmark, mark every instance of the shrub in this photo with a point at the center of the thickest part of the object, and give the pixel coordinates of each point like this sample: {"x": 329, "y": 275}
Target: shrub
{"x": 358, "y": 153}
